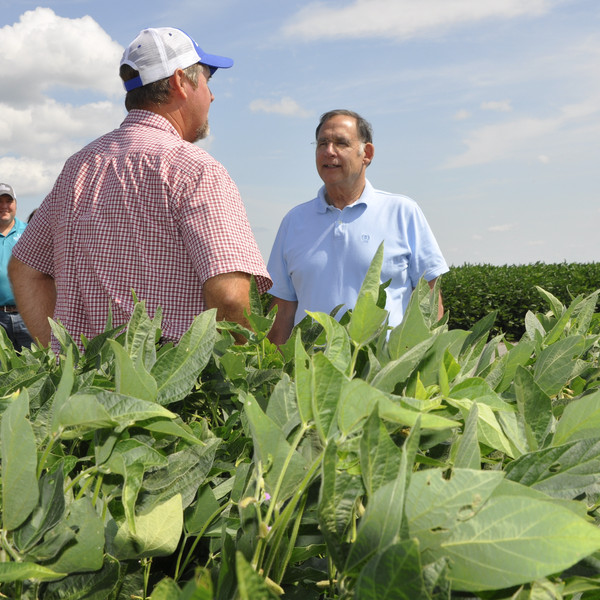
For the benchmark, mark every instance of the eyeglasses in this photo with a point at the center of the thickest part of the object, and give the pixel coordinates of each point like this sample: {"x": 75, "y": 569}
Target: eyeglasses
{"x": 339, "y": 144}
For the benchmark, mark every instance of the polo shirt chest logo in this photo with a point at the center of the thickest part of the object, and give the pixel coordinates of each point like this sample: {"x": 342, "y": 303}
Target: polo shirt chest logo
{"x": 365, "y": 238}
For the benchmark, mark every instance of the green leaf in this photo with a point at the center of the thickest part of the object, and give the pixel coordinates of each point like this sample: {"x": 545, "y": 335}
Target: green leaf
{"x": 283, "y": 408}
{"x": 555, "y": 365}
{"x": 185, "y": 473}
{"x": 198, "y": 515}
{"x": 54, "y": 541}
{"x": 478, "y": 389}
{"x": 366, "y": 320}
{"x": 49, "y": 512}
{"x": 511, "y": 541}
{"x": 468, "y": 455}
{"x": 394, "y": 574}
{"x": 128, "y": 410}
{"x": 555, "y": 304}
{"x": 479, "y": 332}
{"x": 199, "y": 588}
{"x": 411, "y": 332}
{"x": 274, "y": 452}
{"x": 157, "y": 532}
{"x": 328, "y": 382}
{"x": 580, "y": 420}
{"x": 535, "y": 406}
{"x": 251, "y": 586}
{"x": 304, "y": 385}
{"x": 358, "y": 398}
{"x": 177, "y": 370}
{"x": 82, "y": 412}
{"x": 561, "y": 472}
{"x": 166, "y": 589}
{"x": 141, "y": 335}
{"x": 131, "y": 380}
{"x": 517, "y": 357}
{"x": 63, "y": 392}
{"x": 169, "y": 427}
{"x": 338, "y": 342}
{"x": 372, "y": 279}
{"x": 86, "y": 586}
{"x": 435, "y": 506}
{"x": 13, "y": 571}
{"x": 20, "y": 490}
{"x": 88, "y": 551}
{"x": 398, "y": 371}
{"x": 379, "y": 456}
{"x": 339, "y": 492}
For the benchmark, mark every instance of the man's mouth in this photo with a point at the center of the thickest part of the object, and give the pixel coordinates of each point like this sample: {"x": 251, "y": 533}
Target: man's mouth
{"x": 331, "y": 166}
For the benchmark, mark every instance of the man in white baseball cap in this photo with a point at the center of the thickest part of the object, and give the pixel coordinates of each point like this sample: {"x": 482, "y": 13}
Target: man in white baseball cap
{"x": 11, "y": 229}
{"x": 142, "y": 208}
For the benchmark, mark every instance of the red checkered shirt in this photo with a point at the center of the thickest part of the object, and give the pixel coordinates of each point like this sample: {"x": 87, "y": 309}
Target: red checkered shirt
{"x": 141, "y": 209}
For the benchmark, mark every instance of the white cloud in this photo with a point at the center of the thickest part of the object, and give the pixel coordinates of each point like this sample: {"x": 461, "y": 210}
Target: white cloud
{"x": 29, "y": 176}
{"x": 543, "y": 159}
{"x": 503, "y": 227}
{"x": 461, "y": 115}
{"x": 44, "y": 50}
{"x": 496, "y": 142}
{"x": 286, "y": 106}
{"x": 500, "y": 106}
{"x": 402, "y": 19}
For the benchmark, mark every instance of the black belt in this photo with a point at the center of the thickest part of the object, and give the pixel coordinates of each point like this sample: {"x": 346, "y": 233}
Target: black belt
{"x": 9, "y": 309}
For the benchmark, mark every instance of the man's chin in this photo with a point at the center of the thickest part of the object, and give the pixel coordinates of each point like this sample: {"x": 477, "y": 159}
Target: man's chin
{"x": 202, "y": 132}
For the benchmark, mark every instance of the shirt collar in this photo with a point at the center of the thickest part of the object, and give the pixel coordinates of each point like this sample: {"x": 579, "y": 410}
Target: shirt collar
{"x": 149, "y": 119}
{"x": 365, "y": 198}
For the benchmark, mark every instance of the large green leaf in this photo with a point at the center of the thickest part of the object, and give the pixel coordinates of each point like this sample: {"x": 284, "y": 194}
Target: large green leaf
{"x": 478, "y": 389}
{"x": 468, "y": 455}
{"x": 86, "y": 586}
{"x": 328, "y": 382}
{"x": 20, "y": 490}
{"x": 157, "y": 532}
{"x": 47, "y": 514}
{"x": 176, "y": 370}
{"x": 87, "y": 553}
{"x": 166, "y": 589}
{"x": 304, "y": 381}
{"x": 556, "y": 365}
{"x": 371, "y": 282}
{"x": 358, "y": 399}
{"x": 379, "y": 456}
{"x": 394, "y": 574}
{"x": 435, "y": 505}
{"x": 13, "y": 571}
{"x": 511, "y": 541}
{"x": 366, "y": 320}
{"x": 338, "y": 343}
{"x": 132, "y": 380}
{"x": 516, "y": 357}
{"x": 580, "y": 420}
{"x": 561, "y": 472}
{"x": 185, "y": 473}
{"x": 198, "y": 515}
{"x": 535, "y": 406}
{"x": 80, "y": 413}
{"x": 411, "y": 332}
{"x": 339, "y": 492}
{"x": 274, "y": 452}
{"x": 128, "y": 410}
{"x": 282, "y": 407}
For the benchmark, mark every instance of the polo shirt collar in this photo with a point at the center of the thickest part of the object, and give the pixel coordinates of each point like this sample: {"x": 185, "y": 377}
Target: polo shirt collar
{"x": 365, "y": 198}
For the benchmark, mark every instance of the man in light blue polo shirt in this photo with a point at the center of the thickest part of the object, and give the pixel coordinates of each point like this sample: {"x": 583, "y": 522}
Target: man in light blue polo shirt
{"x": 10, "y": 231}
{"x": 324, "y": 247}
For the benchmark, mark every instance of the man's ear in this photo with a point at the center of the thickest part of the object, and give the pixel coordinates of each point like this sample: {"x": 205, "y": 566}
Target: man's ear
{"x": 177, "y": 83}
{"x": 368, "y": 154}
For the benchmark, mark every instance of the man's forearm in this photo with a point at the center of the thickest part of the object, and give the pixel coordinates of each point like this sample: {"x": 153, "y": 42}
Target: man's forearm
{"x": 284, "y": 321}
{"x": 35, "y": 297}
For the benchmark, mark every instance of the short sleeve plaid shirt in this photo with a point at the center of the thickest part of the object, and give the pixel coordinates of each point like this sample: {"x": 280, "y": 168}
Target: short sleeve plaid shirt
{"x": 139, "y": 209}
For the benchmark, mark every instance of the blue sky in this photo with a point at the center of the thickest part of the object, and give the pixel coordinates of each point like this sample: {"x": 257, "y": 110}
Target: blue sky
{"x": 485, "y": 113}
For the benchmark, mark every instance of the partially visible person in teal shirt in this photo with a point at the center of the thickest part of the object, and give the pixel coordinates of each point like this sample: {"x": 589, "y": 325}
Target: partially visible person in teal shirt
{"x": 10, "y": 231}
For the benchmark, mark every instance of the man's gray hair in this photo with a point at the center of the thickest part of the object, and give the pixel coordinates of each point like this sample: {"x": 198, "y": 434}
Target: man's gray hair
{"x": 157, "y": 93}
{"x": 364, "y": 128}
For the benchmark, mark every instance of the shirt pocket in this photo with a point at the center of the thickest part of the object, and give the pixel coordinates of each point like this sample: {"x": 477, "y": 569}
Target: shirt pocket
{"x": 396, "y": 269}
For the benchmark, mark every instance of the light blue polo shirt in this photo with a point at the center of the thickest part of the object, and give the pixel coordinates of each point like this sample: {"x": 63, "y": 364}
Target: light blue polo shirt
{"x": 7, "y": 243}
{"x": 321, "y": 253}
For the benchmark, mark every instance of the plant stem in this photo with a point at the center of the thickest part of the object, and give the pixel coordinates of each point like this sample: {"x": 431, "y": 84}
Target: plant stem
{"x": 147, "y": 562}
{"x": 84, "y": 487}
{"x": 292, "y": 543}
{"x": 45, "y": 456}
{"x": 97, "y": 489}
{"x": 80, "y": 476}
{"x": 18, "y": 590}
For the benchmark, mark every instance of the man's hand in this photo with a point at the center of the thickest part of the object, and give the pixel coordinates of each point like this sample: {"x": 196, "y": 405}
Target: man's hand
{"x": 229, "y": 293}
{"x": 440, "y": 305}
{"x": 284, "y": 321}
{"x": 35, "y": 296}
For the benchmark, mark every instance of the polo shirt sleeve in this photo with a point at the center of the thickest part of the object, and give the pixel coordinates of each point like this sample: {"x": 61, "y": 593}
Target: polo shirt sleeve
{"x": 278, "y": 267}
{"x": 426, "y": 256}
{"x": 215, "y": 229}
{"x": 35, "y": 247}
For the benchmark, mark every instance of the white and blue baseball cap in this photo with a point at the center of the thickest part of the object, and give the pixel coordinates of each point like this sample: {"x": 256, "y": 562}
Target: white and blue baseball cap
{"x": 157, "y": 53}
{"x": 8, "y": 190}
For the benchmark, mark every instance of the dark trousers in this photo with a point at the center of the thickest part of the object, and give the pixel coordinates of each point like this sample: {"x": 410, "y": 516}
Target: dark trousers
{"x": 16, "y": 330}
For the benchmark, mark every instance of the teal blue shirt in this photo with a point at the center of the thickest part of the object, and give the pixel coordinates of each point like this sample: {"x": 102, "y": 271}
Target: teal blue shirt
{"x": 7, "y": 243}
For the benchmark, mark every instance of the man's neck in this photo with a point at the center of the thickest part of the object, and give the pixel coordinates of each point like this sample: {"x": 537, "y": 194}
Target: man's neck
{"x": 6, "y": 229}
{"x": 342, "y": 197}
